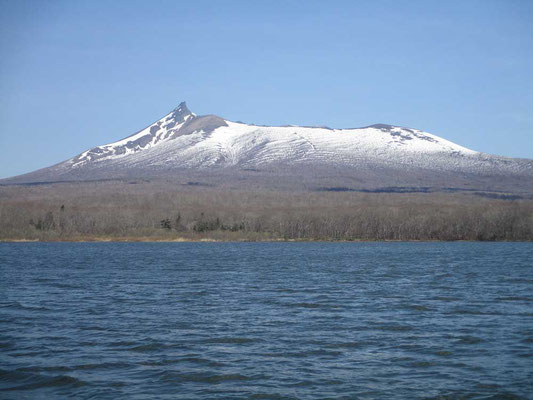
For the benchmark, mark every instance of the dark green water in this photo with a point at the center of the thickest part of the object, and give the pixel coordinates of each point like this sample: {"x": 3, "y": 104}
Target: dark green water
{"x": 266, "y": 320}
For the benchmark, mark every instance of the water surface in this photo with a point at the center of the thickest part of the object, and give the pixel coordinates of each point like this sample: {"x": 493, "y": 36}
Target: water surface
{"x": 266, "y": 320}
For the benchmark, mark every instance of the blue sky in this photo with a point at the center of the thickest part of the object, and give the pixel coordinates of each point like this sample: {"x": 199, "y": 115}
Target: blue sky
{"x": 76, "y": 74}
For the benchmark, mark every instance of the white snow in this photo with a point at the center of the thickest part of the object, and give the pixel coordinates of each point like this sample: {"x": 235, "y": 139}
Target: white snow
{"x": 249, "y": 145}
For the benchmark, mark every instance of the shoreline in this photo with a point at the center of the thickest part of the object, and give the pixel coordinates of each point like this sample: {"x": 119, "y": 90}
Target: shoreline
{"x": 99, "y": 239}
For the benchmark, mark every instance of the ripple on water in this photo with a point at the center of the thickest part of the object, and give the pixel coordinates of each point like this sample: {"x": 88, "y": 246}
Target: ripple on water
{"x": 231, "y": 340}
{"x": 170, "y": 376}
{"x": 17, "y": 380}
{"x": 469, "y": 339}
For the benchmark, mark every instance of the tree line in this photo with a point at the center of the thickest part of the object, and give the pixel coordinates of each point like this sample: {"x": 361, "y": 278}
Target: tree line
{"x": 64, "y": 213}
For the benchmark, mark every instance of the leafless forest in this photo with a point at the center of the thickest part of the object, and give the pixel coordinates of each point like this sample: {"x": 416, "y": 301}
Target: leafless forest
{"x": 163, "y": 211}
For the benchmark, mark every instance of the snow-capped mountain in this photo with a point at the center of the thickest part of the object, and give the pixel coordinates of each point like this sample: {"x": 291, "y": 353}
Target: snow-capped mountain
{"x": 184, "y": 139}
{"x": 185, "y": 144}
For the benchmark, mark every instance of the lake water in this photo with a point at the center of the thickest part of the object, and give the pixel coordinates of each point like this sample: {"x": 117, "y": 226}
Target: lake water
{"x": 266, "y": 320}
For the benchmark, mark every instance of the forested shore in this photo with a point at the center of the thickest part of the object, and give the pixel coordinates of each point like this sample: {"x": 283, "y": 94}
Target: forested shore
{"x": 153, "y": 212}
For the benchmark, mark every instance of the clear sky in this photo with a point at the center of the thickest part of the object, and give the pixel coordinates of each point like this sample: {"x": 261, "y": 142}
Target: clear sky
{"x": 76, "y": 74}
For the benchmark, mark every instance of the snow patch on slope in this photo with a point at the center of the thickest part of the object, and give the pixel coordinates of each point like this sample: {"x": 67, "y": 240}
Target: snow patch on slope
{"x": 160, "y": 131}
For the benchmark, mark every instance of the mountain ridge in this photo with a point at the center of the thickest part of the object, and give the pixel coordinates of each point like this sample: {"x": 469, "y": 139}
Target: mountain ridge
{"x": 182, "y": 144}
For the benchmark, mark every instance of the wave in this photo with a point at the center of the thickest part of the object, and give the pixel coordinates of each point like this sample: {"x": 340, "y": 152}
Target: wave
{"x": 16, "y": 380}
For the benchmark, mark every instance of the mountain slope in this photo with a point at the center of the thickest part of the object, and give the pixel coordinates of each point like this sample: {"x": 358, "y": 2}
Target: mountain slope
{"x": 182, "y": 145}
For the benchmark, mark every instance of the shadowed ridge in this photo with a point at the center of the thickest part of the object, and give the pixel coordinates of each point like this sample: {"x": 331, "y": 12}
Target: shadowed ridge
{"x": 206, "y": 123}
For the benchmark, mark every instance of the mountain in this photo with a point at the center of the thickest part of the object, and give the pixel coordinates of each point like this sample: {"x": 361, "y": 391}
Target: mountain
{"x": 209, "y": 150}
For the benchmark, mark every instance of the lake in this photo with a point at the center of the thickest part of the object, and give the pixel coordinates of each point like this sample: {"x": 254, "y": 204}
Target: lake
{"x": 266, "y": 320}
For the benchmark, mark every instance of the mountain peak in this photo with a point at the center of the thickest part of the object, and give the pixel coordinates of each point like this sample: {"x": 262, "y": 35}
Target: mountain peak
{"x": 181, "y": 113}
{"x": 182, "y": 109}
